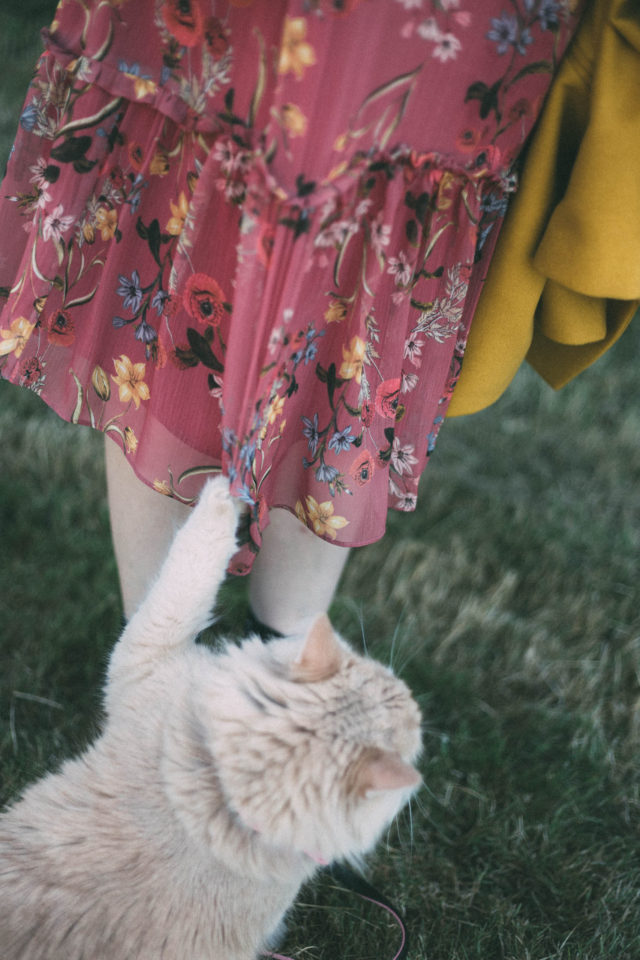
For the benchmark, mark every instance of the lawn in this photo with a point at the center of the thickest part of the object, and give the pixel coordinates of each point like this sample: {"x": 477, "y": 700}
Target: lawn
{"x": 509, "y": 602}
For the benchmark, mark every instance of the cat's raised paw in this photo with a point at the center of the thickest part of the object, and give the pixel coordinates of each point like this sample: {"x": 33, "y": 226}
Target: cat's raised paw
{"x": 216, "y": 505}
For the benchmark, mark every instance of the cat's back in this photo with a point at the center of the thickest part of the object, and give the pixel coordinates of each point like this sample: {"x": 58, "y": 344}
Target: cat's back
{"x": 94, "y": 846}
{"x": 82, "y": 875}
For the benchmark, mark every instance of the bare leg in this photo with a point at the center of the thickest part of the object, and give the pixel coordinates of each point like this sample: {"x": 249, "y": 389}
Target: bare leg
{"x": 143, "y": 524}
{"x": 295, "y": 574}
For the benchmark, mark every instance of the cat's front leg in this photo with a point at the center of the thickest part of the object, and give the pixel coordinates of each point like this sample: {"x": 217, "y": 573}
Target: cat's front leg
{"x": 178, "y": 605}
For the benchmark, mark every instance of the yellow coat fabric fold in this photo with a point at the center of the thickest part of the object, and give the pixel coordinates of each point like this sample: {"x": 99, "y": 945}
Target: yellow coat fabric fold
{"x": 564, "y": 281}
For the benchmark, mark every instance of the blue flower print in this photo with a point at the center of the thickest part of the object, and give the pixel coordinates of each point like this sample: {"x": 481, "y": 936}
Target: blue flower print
{"x": 310, "y": 352}
{"x": 504, "y": 31}
{"x": 341, "y": 440}
{"x": 145, "y": 332}
{"x": 548, "y": 15}
{"x": 310, "y": 431}
{"x": 131, "y": 291}
{"x": 432, "y": 436}
{"x": 326, "y": 473}
{"x": 524, "y": 40}
{"x": 229, "y": 439}
{"x": 133, "y": 70}
{"x": 247, "y": 454}
{"x": 159, "y": 301}
{"x": 29, "y": 117}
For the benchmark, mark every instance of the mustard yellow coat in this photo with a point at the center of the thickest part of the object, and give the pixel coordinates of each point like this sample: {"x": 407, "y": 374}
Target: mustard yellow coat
{"x": 564, "y": 281}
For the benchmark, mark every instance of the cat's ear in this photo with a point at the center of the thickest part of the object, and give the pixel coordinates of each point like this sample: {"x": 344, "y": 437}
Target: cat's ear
{"x": 384, "y": 770}
{"x": 321, "y": 653}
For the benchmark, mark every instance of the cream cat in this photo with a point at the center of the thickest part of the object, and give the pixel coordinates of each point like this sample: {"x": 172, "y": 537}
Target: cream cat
{"x": 220, "y": 781}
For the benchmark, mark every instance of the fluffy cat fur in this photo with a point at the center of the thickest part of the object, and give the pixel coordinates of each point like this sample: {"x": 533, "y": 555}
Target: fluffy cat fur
{"x": 221, "y": 779}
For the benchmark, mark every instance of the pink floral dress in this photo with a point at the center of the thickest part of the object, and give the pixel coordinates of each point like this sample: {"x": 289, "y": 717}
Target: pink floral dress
{"x": 251, "y": 234}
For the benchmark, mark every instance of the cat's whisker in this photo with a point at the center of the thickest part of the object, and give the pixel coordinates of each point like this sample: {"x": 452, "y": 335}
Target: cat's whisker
{"x": 396, "y": 633}
{"x": 416, "y": 651}
{"x": 12, "y": 726}
{"x": 364, "y": 639}
{"x": 410, "y": 815}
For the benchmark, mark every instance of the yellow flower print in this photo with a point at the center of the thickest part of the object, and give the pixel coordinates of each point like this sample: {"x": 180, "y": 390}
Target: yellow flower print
{"x": 337, "y": 171}
{"x": 162, "y": 487}
{"x": 444, "y": 198}
{"x": 275, "y": 410}
{"x": 159, "y": 166}
{"x": 321, "y": 515}
{"x": 300, "y": 514}
{"x": 180, "y": 210}
{"x": 293, "y": 120}
{"x": 130, "y": 439}
{"x": 143, "y": 86}
{"x": 352, "y": 361}
{"x": 131, "y": 385}
{"x": 100, "y": 383}
{"x": 106, "y": 222}
{"x": 336, "y": 311}
{"x": 14, "y": 340}
{"x": 340, "y": 142}
{"x": 295, "y": 54}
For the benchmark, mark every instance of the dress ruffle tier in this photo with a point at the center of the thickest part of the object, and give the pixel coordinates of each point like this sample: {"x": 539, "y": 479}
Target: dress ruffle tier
{"x": 256, "y": 240}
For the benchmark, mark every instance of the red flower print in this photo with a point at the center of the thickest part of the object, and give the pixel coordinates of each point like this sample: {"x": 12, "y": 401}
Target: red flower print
{"x": 136, "y": 156}
{"x": 489, "y": 156}
{"x": 203, "y": 300}
{"x": 30, "y": 371}
{"x": 216, "y": 37}
{"x": 184, "y": 21}
{"x": 266, "y": 239}
{"x": 366, "y": 414}
{"x": 117, "y": 177}
{"x": 387, "y": 396}
{"x": 178, "y": 357}
{"x": 521, "y": 110}
{"x": 61, "y": 326}
{"x": 362, "y": 468}
{"x": 467, "y": 140}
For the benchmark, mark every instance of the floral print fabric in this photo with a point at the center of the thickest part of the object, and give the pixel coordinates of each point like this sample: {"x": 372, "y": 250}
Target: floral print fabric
{"x": 252, "y": 234}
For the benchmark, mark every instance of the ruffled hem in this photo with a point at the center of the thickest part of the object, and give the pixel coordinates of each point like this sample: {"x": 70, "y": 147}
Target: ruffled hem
{"x": 304, "y": 335}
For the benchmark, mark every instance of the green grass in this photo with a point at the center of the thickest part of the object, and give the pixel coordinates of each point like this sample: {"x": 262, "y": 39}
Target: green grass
{"x": 509, "y": 602}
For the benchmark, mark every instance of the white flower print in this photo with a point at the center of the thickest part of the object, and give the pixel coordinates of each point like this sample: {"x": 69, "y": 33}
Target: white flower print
{"x": 380, "y": 234}
{"x": 402, "y": 458}
{"x": 363, "y": 207}
{"x": 336, "y": 233}
{"x": 394, "y": 488}
{"x": 276, "y": 338}
{"x": 55, "y": 224}
{"x": 400, "y": 268}
{"x": 447, "y": 47}
{"x": 413, "y": 350}
{"x": 429, "y": 30}
{"x": 223, "y": 152}
{"x": 38, "y": 171}
{"x": 408, "y": 382}
{"x": 443, "y": 319}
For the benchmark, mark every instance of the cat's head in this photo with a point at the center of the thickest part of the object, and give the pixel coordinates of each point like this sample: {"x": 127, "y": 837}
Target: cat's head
{"x": 314, "y": 744}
